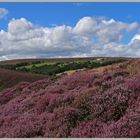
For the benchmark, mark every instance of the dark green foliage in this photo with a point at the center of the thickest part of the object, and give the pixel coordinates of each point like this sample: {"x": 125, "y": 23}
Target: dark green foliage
{"x": 55, "y": 68}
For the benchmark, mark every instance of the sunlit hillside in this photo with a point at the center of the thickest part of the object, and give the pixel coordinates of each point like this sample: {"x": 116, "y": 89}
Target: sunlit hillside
{"x": 100, "y": 102}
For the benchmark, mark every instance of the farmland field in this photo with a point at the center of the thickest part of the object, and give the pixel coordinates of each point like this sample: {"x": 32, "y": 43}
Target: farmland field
{"x": 56, "y": 66}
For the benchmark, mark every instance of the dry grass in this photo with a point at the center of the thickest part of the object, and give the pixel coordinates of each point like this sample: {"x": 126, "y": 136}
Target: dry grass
{"x": 133, "y": 66}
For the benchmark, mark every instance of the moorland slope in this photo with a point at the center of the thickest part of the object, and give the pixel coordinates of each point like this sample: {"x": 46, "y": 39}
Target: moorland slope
{"x": 91, "y": 103}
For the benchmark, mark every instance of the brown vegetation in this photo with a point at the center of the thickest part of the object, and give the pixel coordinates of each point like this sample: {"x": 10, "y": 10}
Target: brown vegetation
{"x": 9, "y": 78}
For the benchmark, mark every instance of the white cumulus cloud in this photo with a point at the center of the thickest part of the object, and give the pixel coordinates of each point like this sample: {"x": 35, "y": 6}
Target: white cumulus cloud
{"x": 91, "y": 36}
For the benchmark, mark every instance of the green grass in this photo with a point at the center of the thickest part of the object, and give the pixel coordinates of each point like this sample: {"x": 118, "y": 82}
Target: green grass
{"x": 52, "y": 63}
{"x": 57, "y": 67}
{"x": 68, "y": 67}
{"x": 37, "y": 65}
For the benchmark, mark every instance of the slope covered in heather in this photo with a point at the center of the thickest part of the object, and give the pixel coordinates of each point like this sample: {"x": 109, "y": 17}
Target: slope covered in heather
{"x": 90, "y": 103}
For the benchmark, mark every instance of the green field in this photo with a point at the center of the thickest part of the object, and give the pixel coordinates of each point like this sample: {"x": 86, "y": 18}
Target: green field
{"x": 59, "y": 66}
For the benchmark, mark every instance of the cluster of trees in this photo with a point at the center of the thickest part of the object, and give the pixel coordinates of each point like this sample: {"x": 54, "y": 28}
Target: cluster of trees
{"x": 55, "y": 68}
{"x": 17, "y": 65}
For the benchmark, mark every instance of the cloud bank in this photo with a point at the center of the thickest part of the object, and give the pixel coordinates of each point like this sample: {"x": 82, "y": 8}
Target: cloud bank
{"x": 91, "y": 36}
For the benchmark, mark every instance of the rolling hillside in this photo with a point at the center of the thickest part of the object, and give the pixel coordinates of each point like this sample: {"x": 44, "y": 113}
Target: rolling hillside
{"x": 103, "y": 102}
{"x": 29, "y": 70}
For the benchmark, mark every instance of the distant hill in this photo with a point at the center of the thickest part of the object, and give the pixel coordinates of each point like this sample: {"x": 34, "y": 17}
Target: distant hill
{"x": 9, "y": 78}
{"x": 16, "y": 61}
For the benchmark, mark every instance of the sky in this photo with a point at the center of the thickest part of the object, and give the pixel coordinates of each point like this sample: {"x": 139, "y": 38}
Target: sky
{"x": 72, "y": 29}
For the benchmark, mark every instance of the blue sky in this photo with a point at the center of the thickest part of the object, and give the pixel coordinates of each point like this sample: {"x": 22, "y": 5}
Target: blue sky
{"x": 64, "y": 24}
{"x": 47, "y": 14}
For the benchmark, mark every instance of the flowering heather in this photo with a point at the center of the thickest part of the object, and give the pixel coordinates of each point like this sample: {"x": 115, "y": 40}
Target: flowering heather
{"x": 89, "y": 129}
{"x": 83, "y": 104}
